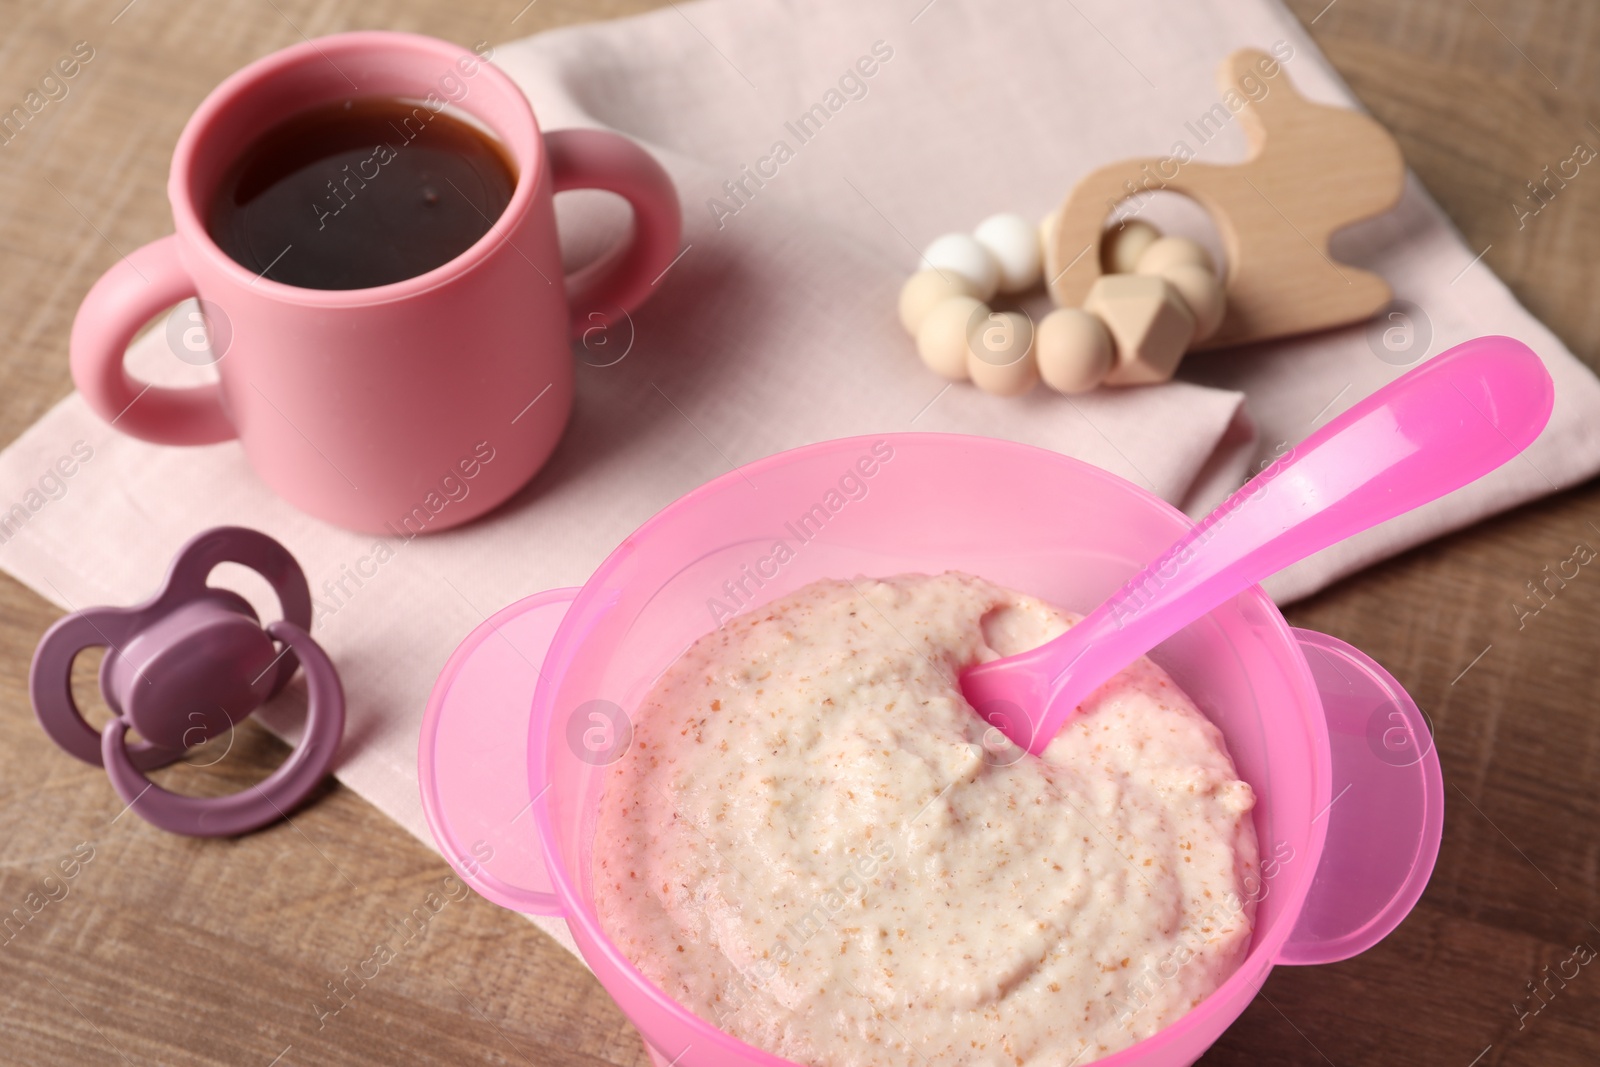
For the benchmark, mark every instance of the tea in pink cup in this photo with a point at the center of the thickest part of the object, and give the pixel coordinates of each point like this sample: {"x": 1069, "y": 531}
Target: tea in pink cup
{"x": 367, "y": 222}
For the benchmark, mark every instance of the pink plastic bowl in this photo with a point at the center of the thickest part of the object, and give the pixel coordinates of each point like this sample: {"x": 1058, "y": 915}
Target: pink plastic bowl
{"x": 1350, "y": 797}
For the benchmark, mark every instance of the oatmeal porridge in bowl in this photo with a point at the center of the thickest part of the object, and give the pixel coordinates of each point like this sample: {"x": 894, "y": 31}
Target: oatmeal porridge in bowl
{"x": 777, "y": 834}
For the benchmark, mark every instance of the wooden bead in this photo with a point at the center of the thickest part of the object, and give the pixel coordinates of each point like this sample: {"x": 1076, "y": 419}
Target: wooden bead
{"x": 1000, "y": 353}
{"x": 1047, "y": 243}
{"x": 1147, "y": 320}
{"x": 1169, "y": 252}
{"x": 942, "y": 336}
{"x": 1203, "y": 294}
{"x": 1047, "y": 228}
{"x": 1073, "y": 349}
{"x": 1123, "y": 244}
{"x": 926, "y": 288}
{"x": 961, "y": 254}
{"x": 1011, "y": 241}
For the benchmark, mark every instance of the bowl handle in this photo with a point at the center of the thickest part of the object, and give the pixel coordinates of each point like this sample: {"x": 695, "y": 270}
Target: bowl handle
{"x": 1386, "y": 812}
{"x": 472, "y": 761}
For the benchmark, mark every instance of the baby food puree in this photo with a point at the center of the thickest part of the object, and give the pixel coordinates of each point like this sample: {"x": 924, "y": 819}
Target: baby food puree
{"x": 809, "y": 844}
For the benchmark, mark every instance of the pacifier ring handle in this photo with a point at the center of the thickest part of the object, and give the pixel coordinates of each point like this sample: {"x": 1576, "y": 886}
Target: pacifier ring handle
{"x": 199, "y": 556}
{"x": 260, "y": 804}
{"x": 50, "y": 684}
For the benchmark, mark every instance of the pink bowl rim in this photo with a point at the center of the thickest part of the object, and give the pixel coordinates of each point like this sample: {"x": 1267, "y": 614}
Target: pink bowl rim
{"x": 1263, "y": 953}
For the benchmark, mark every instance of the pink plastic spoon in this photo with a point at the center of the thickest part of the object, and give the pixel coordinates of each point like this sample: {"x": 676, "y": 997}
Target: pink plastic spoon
{"x": 1434, "y": 429}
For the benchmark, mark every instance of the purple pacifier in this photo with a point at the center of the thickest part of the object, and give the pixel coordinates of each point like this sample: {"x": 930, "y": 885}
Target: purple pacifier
{"x": 186, "y": 666}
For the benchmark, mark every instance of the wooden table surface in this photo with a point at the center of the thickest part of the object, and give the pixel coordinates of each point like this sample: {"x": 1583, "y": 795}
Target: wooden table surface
{"x": 167, "y": 950}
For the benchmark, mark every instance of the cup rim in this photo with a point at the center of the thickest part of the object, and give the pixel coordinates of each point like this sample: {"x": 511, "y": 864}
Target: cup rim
{"x": 1252, "y": 971}
{"x": 529, "y": 160}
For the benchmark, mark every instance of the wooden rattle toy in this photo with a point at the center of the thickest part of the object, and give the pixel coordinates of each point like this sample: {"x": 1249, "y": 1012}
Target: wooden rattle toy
{"x": 1127, "y": 315}
{"x": 182, "y": 668}
{"x": 1311, "y": 170}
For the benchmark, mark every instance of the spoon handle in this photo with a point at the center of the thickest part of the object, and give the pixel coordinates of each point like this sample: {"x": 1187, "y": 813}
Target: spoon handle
{"x": 1446, "y": 423}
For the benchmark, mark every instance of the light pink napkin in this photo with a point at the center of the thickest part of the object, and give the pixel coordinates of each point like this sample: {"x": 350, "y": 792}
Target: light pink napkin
{"x": 777, "y": 325}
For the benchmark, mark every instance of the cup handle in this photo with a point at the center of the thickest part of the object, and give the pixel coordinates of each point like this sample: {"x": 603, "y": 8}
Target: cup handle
{"x": 127, "y": 296}
{"x": 1386, "y": 812}
{"x": 622, "y": 279}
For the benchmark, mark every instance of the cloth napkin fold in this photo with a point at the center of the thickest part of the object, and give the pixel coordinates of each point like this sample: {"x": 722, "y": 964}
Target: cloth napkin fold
{"x": 777, "y": 327}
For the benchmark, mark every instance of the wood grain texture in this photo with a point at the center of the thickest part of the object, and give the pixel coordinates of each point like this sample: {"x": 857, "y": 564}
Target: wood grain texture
{"x": 166, "y": 950}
